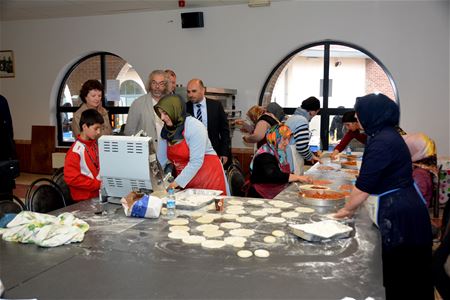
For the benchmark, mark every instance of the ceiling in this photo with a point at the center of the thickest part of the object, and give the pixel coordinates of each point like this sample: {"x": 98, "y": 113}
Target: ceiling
{"x": 11, "y": 10}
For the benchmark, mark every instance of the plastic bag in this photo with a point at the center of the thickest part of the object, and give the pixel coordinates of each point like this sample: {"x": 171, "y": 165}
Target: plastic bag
{"x": 141, "y": 206}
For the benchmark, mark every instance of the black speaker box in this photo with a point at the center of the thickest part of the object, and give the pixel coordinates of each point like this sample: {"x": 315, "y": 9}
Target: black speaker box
{"x": 192, "y": 20}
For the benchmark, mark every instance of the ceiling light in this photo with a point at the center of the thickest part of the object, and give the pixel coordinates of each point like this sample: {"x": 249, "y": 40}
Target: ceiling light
{"x": 258, "y": 3}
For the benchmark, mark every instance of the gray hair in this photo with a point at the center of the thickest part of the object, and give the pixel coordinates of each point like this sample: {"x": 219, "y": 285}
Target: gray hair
{"x": 153, "y": 74}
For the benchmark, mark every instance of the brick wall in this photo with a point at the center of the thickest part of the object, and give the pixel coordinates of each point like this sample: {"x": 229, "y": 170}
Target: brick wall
{"x": 270, "y": 86}
{"x": 376, "y": 80}
{"x": 90, "y": 69}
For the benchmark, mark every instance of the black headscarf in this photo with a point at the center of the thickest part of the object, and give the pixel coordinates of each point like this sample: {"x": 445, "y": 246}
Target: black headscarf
{"x": 376, "y": 111}
{"x": 175, "y": 107}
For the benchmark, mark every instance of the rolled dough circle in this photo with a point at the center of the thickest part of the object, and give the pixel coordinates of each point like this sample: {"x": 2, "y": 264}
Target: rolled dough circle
{"x": 244, "y": 253}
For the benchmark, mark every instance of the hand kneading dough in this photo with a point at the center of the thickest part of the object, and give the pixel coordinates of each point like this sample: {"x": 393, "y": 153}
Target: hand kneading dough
{"x": 270, "y": 239}
{"x": 193, "y": 239}
{"x": 213, "y": 244}
{"x": 178, "y": 221}
{"x": 244, "y": 253}
{"x": 179, "y": 228}
{"x": 261, "y": 253}
{"x": 213, "y": 233}
{"x": 278, "y": 233}
{"x": 178, "y": 234}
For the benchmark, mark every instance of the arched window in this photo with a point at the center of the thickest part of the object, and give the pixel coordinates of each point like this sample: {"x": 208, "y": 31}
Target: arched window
{"x": 122, "y": 86}
{"x": 334, "y": 72}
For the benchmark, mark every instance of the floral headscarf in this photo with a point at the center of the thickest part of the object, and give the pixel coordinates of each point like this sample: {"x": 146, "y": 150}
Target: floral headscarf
{"x": 174, "y": 106}
{"x": 274, "y": 136}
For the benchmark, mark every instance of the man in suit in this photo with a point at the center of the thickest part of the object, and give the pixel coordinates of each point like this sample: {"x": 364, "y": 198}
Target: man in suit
{"x": 212, "y": 115}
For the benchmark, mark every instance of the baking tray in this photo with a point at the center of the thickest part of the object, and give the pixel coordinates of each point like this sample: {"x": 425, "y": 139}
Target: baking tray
{"x": 314, "y": 232}
{"x": 192, "y": 199}
{"x": 309, "y": 200}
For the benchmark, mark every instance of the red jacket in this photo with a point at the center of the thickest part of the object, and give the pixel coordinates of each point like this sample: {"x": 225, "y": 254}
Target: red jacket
{"x": 81, "y": 170}
{"x": 348, "y": 137}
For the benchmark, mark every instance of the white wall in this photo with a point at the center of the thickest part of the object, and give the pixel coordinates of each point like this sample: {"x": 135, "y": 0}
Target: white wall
{"x": 238, "y": 48}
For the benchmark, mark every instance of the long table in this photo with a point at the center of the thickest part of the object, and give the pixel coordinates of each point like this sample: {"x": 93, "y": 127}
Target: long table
{"x": 129, "y": 258}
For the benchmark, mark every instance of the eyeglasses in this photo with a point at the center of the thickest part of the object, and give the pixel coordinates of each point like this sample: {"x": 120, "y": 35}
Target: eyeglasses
{"x": 155, "y": 83}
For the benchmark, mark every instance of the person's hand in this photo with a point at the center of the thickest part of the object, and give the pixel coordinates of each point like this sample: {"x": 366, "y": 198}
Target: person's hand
{"x": 334, "y": 155}
{"x": 173, "y": 185}
{"x": 305, "y": 179}
{"x": 223, "y": 159}
{"x": 343, "y": 213}
{"x": 315, "y": 159}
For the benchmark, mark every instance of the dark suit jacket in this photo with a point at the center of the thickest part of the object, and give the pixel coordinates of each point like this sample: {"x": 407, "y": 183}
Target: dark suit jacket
{"x": 218, "y": 128}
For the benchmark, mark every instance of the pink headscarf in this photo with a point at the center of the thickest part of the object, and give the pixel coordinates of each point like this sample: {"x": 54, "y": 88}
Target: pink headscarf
{"x": 423, "y": 151}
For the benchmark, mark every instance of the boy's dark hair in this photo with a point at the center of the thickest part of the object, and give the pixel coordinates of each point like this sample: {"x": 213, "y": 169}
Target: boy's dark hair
{"x": 91, "y": 84}
{"x": 349, "y": 117}
{"x": 90, "y": 117}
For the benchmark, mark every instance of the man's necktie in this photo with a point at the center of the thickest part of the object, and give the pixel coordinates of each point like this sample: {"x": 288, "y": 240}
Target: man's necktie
{"x": 199, "y": 112}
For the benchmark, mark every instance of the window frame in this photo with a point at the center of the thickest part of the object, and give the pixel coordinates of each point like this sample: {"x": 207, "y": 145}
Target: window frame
{"x": 326, "y": 112}
{"x": 61, "y": 109}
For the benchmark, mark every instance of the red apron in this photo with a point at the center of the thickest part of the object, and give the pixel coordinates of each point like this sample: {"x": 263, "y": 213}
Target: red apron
{"x": 210, "y": 176}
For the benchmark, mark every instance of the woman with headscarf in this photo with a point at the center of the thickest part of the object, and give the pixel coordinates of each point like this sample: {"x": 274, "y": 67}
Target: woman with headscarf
{"x": 185, "y": 143}
{"x": 424, "y": 160}
{"x": 402, "y": 217}
{"x": 262, "y": 119}
{"x": 270, "y": 170}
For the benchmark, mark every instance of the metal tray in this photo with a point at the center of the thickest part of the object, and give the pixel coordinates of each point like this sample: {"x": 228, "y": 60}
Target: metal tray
{"x": 192, "y": 199}
{"x": 321, "y": 202}
{"x": 311, "y": 231}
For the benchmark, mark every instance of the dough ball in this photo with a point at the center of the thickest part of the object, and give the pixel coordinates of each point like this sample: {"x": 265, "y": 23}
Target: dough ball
{"x": 193, "y": 239}
{"x": 278, "y": 233}
{"x": 207, "y": 227}
{"x": 244, "y": 253}
{"x": 270, "y": 239}
{"x": 290, "y": 214}
{"x": 262, "y": 253}
{"x": 230, "y": 225}
{"x": 179, "y": 221}
{"x": 178, "y": 235}
{"x": 213, "y": 233}
{"x": 213, "y": 244}
{"x": 274, "y": 220}
{"x": 245, "y": 220}
{"x": 179, "y": 228}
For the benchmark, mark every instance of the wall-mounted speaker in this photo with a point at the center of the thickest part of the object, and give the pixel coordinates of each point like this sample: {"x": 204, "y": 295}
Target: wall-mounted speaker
{"x": 192, "y": 20}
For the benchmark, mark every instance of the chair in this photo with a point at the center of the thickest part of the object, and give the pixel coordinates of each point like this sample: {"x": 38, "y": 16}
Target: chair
{"x": 43, "y": 196}
{"x": 58, "y": 178}
{"x": 236, "y": 179}
{"x": 11, "y": 206}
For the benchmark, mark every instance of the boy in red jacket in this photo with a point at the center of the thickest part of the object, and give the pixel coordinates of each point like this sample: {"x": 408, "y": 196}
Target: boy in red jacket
{"x": 81, "y": 166}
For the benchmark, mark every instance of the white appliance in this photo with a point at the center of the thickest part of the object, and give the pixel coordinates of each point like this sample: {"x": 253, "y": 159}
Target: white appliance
{"x": 128, "y": 163}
